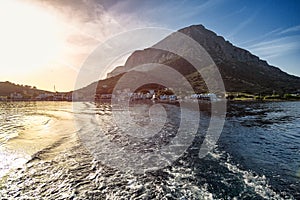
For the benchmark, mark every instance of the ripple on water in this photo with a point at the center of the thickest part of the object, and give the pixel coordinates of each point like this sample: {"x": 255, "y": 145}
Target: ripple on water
{"x": 65, "y": 169}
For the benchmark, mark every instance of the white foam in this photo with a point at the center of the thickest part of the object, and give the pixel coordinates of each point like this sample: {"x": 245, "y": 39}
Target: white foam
{"x": 189, "y": 189}
{"x": 10, "y": 161}
{"x": 258, "y": 183}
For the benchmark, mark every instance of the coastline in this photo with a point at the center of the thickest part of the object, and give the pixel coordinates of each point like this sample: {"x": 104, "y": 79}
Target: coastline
{"x": 262, "y": 100}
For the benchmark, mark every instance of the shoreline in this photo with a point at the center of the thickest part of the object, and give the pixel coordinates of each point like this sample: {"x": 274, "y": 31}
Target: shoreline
{"x": 165, "y": 101}
{"x": 263, "y": 100}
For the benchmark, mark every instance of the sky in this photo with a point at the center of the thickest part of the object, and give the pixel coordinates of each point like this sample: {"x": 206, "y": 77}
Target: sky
{"x": 45, "y": 42}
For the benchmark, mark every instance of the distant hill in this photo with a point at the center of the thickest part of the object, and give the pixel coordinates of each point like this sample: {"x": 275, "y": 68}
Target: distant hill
{"x": 15, "y": 92}
{"x": 241, "y": 71}
{"x": 6, "y": 88}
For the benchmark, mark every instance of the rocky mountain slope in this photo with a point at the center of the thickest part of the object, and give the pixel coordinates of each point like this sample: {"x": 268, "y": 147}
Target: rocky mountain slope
{"x": 241, "y": 71}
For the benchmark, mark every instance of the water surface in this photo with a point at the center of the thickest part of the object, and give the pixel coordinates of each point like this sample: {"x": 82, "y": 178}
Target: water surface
{"x": 256, "y": 157}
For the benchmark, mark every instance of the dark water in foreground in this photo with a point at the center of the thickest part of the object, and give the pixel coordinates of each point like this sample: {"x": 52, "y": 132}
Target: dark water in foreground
{"x": 256, "y": 157}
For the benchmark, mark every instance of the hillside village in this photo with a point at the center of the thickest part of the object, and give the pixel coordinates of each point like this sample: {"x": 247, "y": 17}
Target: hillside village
{"x": 14, "y": 92}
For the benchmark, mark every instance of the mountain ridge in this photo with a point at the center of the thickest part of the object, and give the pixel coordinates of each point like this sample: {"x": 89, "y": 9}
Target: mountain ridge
{"x": 240, "y": 69}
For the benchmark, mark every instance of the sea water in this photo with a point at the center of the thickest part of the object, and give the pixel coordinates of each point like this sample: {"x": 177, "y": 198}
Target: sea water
{"x": 42, "y": 156}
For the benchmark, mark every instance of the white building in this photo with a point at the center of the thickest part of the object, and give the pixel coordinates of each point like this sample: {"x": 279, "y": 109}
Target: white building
{"x": 16, "y": 96}
{"x": 44, "y": 96}
{"x": 207, "y": 96}
{"x": 3, "y": 98}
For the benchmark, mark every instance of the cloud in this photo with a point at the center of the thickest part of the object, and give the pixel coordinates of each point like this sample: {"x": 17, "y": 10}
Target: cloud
{"x": 243, "y": 24}
{"x": 276, "y": 47}
{"x": 136, "y": 14}
{"x": 262, "y": 37}
{"x": 204, "y": 7}
{"x": 159, "y": 13}
{"x": 88, "y": 17}
{"x": 241, "y": 10}
{"x": 85, "y": 24}
{"x": 290, "y": 30}
{"x": 88, "y": 25}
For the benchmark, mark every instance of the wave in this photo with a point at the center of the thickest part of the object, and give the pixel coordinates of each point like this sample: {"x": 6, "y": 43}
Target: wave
{"x": 41, "y": 154}
{"x": 259, "y": 183}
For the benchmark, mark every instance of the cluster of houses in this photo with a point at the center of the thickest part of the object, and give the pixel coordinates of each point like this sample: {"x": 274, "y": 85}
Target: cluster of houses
{"x": 206, "y": 96}
{"x": 54, "y": 96}
{"x": 16, "y": 96}
{"x": 135, "y": 97}
{"x": 126, "y": 95}
{"x": 3, "y": 98}
{"x": 166, "y": 97}
{"x": 120, "y": 95}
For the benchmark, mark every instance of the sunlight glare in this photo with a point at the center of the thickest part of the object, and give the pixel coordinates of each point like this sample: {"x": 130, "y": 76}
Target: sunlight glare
{"x": 30, "y": 37}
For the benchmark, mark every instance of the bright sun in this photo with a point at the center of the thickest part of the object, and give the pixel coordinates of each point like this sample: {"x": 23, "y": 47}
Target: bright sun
{"x": 29, "y": 37}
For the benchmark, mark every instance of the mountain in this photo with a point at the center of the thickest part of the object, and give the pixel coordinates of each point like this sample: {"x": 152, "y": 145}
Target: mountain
{"x": 241, "y": 71}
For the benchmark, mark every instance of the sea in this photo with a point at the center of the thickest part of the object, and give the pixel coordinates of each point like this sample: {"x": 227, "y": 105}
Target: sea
{"x": 45, "y": 153}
